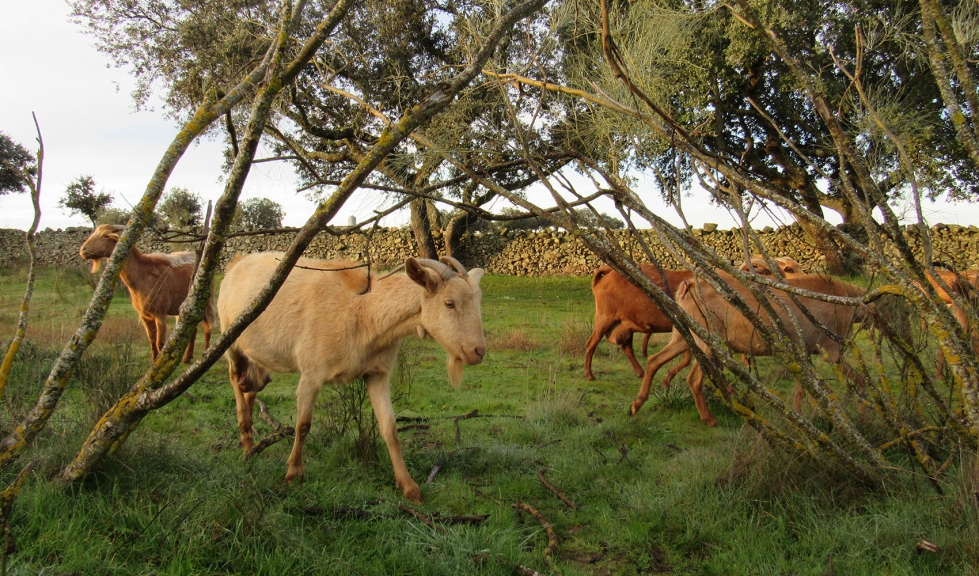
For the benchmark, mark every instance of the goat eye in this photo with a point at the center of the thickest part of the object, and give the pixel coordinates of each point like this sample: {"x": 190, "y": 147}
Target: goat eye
{"x": 450, "y": 304}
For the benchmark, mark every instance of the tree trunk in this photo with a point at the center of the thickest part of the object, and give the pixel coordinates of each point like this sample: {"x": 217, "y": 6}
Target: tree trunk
{"x": 422, "y": 229}
{"x": 457, "y": 226}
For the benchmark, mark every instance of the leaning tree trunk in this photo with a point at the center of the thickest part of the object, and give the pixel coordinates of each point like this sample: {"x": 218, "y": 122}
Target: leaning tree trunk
{"x": 458, "y": 225}
{"x": 421, "y": 227}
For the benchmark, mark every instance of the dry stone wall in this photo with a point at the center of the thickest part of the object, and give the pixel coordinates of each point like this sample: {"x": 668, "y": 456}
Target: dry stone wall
{"x": 534, "y": 253}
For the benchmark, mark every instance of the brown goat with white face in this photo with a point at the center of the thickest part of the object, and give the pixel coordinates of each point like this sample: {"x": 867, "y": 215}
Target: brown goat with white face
{"x": 158, "y": 284}
{"x": 324, "y": 324}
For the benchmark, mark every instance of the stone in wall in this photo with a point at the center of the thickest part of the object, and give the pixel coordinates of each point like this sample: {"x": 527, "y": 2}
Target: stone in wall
{"x": 516, "y": 253}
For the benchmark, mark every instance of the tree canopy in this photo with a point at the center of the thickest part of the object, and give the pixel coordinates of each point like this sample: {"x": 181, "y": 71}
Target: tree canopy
{"x": 180, "y": 208}
{"x": 15, "y": 162}
{"x": 81, "y": 198}
{"x": 258, "y": 214}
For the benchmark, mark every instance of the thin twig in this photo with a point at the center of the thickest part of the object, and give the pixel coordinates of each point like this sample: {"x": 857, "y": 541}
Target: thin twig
{"x": 428, "y": 521}
{"x": 434, "y": 472}
{"x": 558, "y": 493}
{"x": 551, "y": 535}
{"x": 280, "y": 434}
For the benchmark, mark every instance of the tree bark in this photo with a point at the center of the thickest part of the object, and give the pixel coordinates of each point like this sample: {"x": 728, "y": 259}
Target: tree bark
{"x": 421, "y": 228}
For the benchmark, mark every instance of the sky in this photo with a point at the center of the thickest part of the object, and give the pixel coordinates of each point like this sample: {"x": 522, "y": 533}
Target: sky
{"x": 90, "y": 126}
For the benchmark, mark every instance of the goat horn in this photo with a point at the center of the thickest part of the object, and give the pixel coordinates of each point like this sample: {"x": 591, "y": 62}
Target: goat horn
{"x": 444, "y": 271}
{"x": 454, "y": 263}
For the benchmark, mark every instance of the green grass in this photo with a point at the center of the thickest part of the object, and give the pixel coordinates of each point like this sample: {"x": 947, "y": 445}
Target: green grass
{"x": 657, "y": 493}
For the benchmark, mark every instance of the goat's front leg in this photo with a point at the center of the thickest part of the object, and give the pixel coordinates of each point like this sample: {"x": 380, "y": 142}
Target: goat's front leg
{"x": 380, "y": 392}
{"x": 161, "y": 334}
{"x": 306, "y": 394}
{"x": 696, "y": 382}
{"x": 593, "y": 341}
{"x": 676, "y": 346}
{"x": 189, "y": 351}
{"x": 149, "y": 324}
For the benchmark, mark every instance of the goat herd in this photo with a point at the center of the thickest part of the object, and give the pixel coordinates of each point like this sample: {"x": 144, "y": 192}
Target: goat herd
{"x": 331, "y": 323}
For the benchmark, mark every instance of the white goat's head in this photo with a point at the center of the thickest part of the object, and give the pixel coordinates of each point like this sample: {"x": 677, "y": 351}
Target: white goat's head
{"x": 101, "y": 244}
{"x": 452, "y": 311}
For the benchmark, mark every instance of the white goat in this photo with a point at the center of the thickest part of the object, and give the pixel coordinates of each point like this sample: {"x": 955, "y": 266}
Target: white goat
{"x": 158, "y": 284}
{"x": 325, "y": 325}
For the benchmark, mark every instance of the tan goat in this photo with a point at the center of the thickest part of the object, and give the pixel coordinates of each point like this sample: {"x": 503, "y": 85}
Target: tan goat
{"x": 699, "y": 299}
{"x": 158, "y": 284}
{"x": 324, "y": 325}
{"x": 964, "y": 285}
{"x": 621, "y": 309}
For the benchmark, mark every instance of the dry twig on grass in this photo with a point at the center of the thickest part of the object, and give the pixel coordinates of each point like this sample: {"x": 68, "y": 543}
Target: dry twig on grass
{"x": 558, "y": 493}
{"x": 551, "y": 534}
{"x": 428, "y": 521}
{"x": 279, "y": 432}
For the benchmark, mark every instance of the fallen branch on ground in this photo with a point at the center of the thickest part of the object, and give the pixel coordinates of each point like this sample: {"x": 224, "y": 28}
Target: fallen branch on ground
{"x": 561, "y": 497}
{"x": 551, "y": 535}
{"x": 428, "y": 521}
{"x": 279, "y": 432}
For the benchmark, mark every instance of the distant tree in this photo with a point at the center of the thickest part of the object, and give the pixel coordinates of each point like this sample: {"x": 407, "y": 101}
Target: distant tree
{"x": 258, "y": 214}
{"x": 81, "y": 198}
{"x": 15, "y": 162}
{"x": 114, "y": 216}
{"x": 180, "y": 208}
{"x": 588, "y": 217}
{"x": 529, "y": 223}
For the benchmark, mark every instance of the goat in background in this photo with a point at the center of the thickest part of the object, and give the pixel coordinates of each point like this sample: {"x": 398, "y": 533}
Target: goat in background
{"x": 158, "y": 284}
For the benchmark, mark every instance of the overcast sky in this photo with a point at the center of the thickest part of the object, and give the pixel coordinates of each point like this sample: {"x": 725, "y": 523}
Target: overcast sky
{"x": 90, "y": 127}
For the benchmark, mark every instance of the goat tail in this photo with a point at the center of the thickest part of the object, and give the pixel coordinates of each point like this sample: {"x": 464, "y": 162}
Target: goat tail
{"x": 244, "y": 373}
{"x": 602, "y": 272}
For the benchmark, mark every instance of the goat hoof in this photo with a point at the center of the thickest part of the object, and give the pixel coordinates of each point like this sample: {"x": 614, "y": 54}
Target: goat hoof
{"x": 413, "y": 493}
{"x": 590, "y": 377}
{"x": 712, "y": 423}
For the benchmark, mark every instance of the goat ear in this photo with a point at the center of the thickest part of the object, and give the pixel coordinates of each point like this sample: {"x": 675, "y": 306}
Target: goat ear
{"x": 475, "y": 275}
{"x": 112, "y": 236}
{"x": 421, "y": 275}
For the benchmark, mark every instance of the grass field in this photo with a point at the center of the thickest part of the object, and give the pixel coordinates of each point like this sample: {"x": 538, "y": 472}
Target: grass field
{"x": 658, "y": 493}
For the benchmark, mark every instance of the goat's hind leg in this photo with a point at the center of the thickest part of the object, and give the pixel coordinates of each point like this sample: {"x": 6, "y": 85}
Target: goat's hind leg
{"x": 591, "y": 345}
{"x": 245, "y": 392}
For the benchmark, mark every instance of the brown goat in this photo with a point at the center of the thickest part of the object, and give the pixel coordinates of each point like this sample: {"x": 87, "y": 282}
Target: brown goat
{"x": 158, "y": 284}
{"x": 964, "y": 285}
{"x": 325, "y": 325}
{"x": 699, "y": 299}
{"x": 621, "y": 309}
